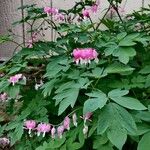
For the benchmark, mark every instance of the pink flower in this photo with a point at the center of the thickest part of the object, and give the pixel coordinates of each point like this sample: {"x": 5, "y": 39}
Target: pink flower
{"x": 66, "y": 123}
{"x": 53, "y": 131}
{"x": 54, "y": 11}
{"x": 43, "y": 128}
{"x": 74, "y": 118}
{"x": 30, "y": 124}
{"x": 60, "y": 17}
{"x": 14, "y": 79}
{"x": 4, "y": 142}
{"x": 86, "y": 13}
{"x": 47, "y": 10}
{"x": 84, "y": 55}
{"x": 94, "y": 8}
{"x": 3, "y": 97}
{"x": 60, "y": 131}
{"x": 51, "y": 10}
{"x": 86, "y": 117}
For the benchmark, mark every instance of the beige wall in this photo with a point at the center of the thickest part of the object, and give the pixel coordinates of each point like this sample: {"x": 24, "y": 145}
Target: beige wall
{"x": 9, "y": 14}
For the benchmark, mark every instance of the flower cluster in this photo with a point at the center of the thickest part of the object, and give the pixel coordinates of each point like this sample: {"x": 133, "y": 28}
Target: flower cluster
{"x": 43, "y": 128}
{"x": 55, "y": 12}
{"x": 14, "y": 79}
{"x": 85, "y": 55}
{"x": 88, "y": 11}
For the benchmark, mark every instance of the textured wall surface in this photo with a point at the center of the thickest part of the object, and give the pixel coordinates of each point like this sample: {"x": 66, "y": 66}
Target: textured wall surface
{"x": 10, "y": 14}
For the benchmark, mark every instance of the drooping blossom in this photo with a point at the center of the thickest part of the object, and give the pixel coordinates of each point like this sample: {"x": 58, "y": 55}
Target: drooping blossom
{"x": 30, "y": 125}
{"x": 85, "y": 129}
{"x": 53, "y": 131}
{"x": 3, "y": 97}
{"x": 86, "y": 13}
{"x": 47, "y": 10}
{"x": 60, "y": 131}
{"x": 14, "y": 79}
{"x": 74, "y": 118}
{"x": 94, "y": 8}
{"x": 4, "y": 142}
{"x": 51, "y": 10}
{"x": 59, "y": 16}
{"x": 43, "y": 128}
{"x": 66, "y": 123}
{"x": 84, "y": 55}
{"x": 86, "y": 117}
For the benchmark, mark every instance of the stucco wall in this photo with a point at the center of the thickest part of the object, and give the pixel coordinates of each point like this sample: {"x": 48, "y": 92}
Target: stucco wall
{"x": 9, "y": 14}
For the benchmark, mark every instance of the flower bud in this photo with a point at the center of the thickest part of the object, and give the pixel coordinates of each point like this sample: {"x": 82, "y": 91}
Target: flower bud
{"x": 53, "y": 131}
{"x": 74, "y": 118}
{"x": 85, "y": 129}
{"x": 67, "y": 123}
{"x": 60, "y": 131}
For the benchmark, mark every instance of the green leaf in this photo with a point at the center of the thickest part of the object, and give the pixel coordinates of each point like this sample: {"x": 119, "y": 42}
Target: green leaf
{"x": 125, "y": 118}
{"x": 129, "y": 40}
{"x": 147, "y": 84}
{"x": 124, "y": 54}
{"x": 117, "y": 136}
{"x": 13, "y": 91}
{"x": 56, "y": 65}
{"x": 53, "y": 144}
{"x": 142, "y": 129}
{"x": 66, "y": 98}
{"x": 17, "y": 134}
{"x": 97, "y": 72}
{"x": 144, "y": 143}
{"x": 145, "y": 70}
{"x": 110, "y": 49}
{"x": 103, "y": 121}
{"x": 99, "y": 141}
{"x": 143, "y": 115}
{"x": 114, "y": 114}
{"x": 129, "y": 102}
{"x": 117, "y": 93}
{"x": 97, "y": 100}
{"x": 120, "y": 36}
{"x": 48, "y": 86}
{"x": 118, "y": 68}
{"x": 126, "y": 42}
